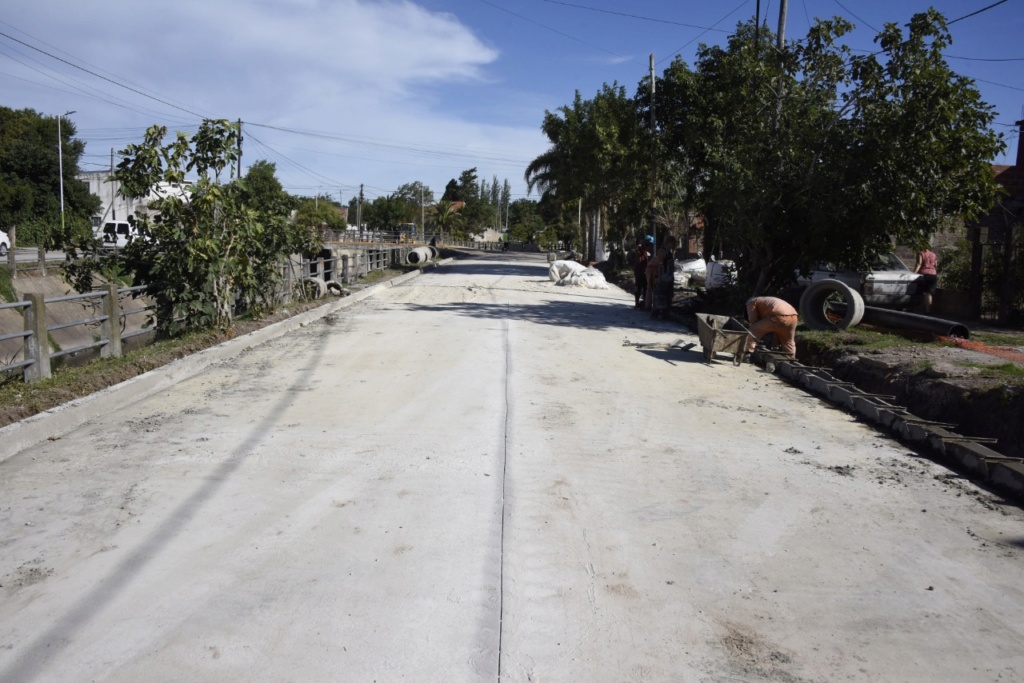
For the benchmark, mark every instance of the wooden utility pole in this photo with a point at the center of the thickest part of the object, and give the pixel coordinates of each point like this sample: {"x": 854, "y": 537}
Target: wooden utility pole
{"x": 239, "y": 171}
{"x": 359, "y": 212}
{"x": 654, "y": 161}
{"x": 780, "y": 40}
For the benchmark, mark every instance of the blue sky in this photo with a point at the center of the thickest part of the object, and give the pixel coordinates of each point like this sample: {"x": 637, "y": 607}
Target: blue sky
{"x": 343, "y": 92}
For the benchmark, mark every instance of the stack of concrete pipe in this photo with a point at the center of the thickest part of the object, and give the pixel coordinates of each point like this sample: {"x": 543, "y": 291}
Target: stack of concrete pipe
{"x": 832, "y": 305}
{"x": 420, "y": 255}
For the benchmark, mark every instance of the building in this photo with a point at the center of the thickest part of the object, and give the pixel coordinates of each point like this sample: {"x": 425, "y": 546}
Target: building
{"x": 114, "y": 206}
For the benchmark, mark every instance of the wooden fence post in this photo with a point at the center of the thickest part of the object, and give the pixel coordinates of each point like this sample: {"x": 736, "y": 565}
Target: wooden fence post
{"x": 112, "y": 325}
{"x": 37, "y": 345}
{"x": 11, "y": 261}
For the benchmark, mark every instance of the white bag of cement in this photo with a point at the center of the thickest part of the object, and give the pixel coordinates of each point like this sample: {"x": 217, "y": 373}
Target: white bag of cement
{"x": 591, "y": 278}
{"x": 559, "y": 270}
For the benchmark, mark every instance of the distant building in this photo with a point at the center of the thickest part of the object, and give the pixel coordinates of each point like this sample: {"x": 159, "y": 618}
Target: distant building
{"x": 113, "y": 206}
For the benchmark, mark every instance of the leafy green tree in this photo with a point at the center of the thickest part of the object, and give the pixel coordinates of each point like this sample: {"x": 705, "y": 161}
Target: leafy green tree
{"x": 815, "y": 154}
{"x": 385, "y": 213}
{"x": 203, "y": 249}
{"x": 319, "y": 212}
{"x": 413, "y": 196}
{"x": 30, "y": 180}
{"x": 597, "y": 157}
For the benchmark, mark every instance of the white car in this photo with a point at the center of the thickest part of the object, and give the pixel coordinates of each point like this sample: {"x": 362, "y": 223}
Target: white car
{"x": 888, "y": 283}
{"x": 5, "y": 244}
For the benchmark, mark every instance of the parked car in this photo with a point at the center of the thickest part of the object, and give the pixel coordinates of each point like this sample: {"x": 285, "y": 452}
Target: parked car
{"x": 5, "y": 243}
{"x": 888, "y": 283}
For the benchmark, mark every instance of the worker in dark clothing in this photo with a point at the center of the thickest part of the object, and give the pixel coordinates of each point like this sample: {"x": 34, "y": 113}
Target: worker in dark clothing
{"x": 641, "y": 258}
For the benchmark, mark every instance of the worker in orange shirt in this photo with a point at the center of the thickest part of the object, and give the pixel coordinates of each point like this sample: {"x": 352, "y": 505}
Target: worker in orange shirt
{"x": 769, "y": 314}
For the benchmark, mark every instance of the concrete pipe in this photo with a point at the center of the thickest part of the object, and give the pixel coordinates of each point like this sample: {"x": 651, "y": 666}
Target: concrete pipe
{"x": 417, "y": 256}
{"x": 434, "y": 253}
{"x": 900, "y": 320}
{"x": 313, "y": 287}
{"x": 824, "y": 301}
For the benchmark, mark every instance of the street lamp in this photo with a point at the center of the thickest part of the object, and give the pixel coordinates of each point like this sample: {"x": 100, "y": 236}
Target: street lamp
{"x": 60, "y": 166}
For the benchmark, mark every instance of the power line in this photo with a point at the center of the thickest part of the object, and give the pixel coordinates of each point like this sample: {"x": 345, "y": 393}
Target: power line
{"x": 633, "y": 16}
{"x": 100, "y": 76}
{"x": 983, "y": 9}
{"x": 553, "y": 30}
{"x": 847, "y": 10}
{"x": 697, "y": 37}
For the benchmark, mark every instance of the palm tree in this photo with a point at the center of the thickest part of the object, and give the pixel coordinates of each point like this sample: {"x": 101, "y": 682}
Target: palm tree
{"x": 446, "y": 216}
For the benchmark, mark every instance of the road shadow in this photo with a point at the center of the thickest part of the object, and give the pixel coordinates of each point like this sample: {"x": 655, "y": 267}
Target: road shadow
{"x": 590, "y": 315}
{"x": 31, "y": 663}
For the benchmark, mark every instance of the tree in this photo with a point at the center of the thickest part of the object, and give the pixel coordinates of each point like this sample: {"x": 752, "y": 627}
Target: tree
{"x": 30, "y": 180}
{"x": 318, "y": 212}
{"x": 814, "y": 154}
{"x": 414, "y": 196}
{"x": 203, "y": 249}
{"x": 385, "y": 213}
{"x": 446, "y": 217}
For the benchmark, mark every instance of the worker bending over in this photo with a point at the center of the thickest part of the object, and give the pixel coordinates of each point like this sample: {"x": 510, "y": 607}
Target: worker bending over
{"x": 768, "y": 314}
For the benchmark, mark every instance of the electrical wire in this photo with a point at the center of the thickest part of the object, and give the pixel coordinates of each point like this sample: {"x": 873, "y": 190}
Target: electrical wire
{"x": 553, "y": 30}
{"x": 102, "y": 77}
{"x": 633, "y": 16}
{"x": 698, "y": 36}
{"x": 983, "y": 9}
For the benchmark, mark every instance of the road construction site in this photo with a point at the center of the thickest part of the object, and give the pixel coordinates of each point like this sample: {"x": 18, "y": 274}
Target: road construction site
{"x": 474, "y": 474}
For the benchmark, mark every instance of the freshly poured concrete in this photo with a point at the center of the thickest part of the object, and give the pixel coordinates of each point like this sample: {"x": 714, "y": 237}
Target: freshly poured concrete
{"x": 470, "y": 477}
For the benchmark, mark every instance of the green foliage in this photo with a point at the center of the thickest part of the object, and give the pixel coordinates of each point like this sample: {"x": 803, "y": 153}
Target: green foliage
{"x": 1001, "y": 370}
{"x": 7, "y": 292}
{"x": 312, "y": 214}
{"x": 30, "y": 179}
{"x": 206, "y": 248}
{"x": 815, "y": 154}
{"x": 599, "y": 156}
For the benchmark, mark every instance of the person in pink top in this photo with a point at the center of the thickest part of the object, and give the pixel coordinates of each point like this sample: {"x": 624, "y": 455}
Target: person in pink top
{"x": 927, "y": 264}
{"x": 769, "y": 314}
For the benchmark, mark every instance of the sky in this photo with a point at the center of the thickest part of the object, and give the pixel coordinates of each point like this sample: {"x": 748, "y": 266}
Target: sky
{"x": 343, "y": 93}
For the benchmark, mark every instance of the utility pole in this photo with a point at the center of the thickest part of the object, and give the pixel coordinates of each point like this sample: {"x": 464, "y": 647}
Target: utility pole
{"x": 423, "y": 217}
{"x": 359, "y": 211}
{"x": 780, "y": 41}
{"x": 239, "y": 148}
{"x": 113, "y": 194}
{"x": 654, "y": 161}
{"x": 60, "y": 167}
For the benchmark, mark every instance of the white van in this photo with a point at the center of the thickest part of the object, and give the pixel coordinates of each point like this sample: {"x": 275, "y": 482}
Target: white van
{"x": 116, "y": 234}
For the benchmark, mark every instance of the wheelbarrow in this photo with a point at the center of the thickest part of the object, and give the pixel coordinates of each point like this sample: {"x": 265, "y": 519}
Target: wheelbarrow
{"x": 722, "y": 334}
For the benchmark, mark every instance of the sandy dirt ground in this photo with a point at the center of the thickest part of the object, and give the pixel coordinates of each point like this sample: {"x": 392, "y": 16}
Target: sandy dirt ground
{"x": 469, "y": 477}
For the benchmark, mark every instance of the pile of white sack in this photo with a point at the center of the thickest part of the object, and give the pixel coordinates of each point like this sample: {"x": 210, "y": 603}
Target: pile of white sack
{"x": 577, "y": 275}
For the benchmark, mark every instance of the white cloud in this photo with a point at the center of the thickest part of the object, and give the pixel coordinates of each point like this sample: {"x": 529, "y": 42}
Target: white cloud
{"x": 357, "y": 68}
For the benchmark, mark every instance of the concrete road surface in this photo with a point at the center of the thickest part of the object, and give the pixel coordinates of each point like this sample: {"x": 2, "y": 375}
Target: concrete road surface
{"x": 469, "y": 477}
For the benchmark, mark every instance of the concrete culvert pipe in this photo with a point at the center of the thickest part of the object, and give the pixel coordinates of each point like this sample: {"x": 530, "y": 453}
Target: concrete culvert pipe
{"x": 334, "y": 287}
{"x": 818, "y": 312}
{"x": 418, "y": 255}
{"x": 313, "y": 287}
{"x": 434, "y": 253}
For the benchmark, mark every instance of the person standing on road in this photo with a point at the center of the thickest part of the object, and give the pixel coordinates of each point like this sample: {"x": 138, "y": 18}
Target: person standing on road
{"x": 662, "y": 263}
{"x": 640, "y": 259}
{"x": 927, "y": 264}
{"x": 769, "y": 314}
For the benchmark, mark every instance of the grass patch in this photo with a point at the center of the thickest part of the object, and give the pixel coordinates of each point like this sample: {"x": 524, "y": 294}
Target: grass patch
{"x": 7, "y": 285}
{"x": 19, "y": 400}
{"x": 1008, "y": 371}
{"x": 859, "y": 338}
{"x": 999, "y": 338}
{"x": 376, "y": 276}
